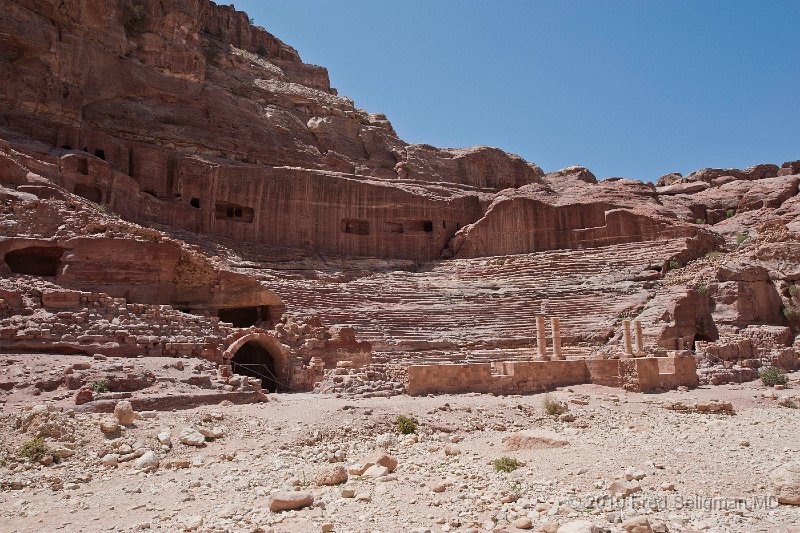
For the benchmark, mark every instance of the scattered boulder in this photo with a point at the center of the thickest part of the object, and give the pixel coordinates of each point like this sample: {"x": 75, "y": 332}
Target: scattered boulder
{"x": 332, "y": 475}
{"x": 109, "y": 426}
{"x": 624, "y": 488}
{"x": 84, "y": 396}
{"x": 124, "y": 413}
{"x": 638, "y": 524}
{"x": 376, "y": 471}
{"x": 579, "y": 526}
{"x": 191, "y": 437}
{"x": 382, "y": 459}
{"x": 287, "y": 501}
{"x": 785, "y": 482}
{"x": 523, "y": 523}
{"x": 147, "y": 462}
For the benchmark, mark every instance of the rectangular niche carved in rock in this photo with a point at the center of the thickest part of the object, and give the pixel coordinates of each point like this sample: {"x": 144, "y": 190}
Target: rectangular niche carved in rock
{"x": 233, "y": 212}
{"x": 419, "y": 225}
{"x": 355, "y": 226}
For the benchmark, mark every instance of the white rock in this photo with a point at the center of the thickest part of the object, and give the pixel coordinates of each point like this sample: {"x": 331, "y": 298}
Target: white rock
{"x": 165, "y": 439}
{"x": 110, "y": 459}
{"x": 147, "y": 462}
{"x": 376, "y": 471}
{"x": 579, "y": 526}
{"x": 191, "y": 437}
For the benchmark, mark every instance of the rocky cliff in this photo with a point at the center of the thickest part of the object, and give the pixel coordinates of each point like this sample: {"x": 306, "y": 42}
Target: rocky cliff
{"x": 130, "y": 128}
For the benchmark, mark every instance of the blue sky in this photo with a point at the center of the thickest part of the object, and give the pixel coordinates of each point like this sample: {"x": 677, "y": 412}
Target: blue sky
{"x": 632, "y": 89}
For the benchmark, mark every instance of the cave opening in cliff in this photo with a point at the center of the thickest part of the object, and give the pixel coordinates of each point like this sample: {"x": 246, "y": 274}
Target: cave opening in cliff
{"x": 355, "y": 226}
{"x": 35, "y": 260}
{"x": 244, "y": 317}
{"x": 237, "y": 213}
{"x": 100, "y": 153}
{"x": 89, "y": 192}
{"x": 255, "y": 361}
{"x": 195, "y": 202}
{"x": 419, "y": 225}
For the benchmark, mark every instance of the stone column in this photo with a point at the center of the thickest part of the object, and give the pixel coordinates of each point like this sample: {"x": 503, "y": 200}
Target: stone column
{"x": 637, "y": 325}
{"x": 626, "y": 335}
{"x": 555, "y": 327}
{"x": 541, "y": 338}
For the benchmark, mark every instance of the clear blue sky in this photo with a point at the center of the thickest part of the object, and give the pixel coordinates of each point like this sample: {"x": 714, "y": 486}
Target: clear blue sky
{"x": 632, "y": 89}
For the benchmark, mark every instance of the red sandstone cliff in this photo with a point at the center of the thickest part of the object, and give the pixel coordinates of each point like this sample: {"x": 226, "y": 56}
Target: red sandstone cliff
{"x": 116, "y": 115}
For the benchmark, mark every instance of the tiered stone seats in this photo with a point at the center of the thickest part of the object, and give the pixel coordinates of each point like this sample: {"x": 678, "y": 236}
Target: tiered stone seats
{"x": 482, "y": 309}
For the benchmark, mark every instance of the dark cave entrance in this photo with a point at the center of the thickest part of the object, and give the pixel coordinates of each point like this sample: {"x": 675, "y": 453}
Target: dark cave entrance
{"x": 35, "y": 260}
{"x": 244, "y": 317}
{"x": 255, "y": 361}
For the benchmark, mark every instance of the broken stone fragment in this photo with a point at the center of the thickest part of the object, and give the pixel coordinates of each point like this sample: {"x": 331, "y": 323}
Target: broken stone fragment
{"x": 287, "y": 501}
{"x": 332, "y": 475}
{"x": 191, "y": 437}
{"x": 148, "y": 462}
{"x": 785, "y": 482}
{"x": 124, "y": 413}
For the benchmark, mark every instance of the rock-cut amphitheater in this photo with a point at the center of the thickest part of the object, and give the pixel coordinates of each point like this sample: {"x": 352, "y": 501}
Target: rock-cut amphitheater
{"x": 256, "y": 276}
{"x": 178, "y": 183}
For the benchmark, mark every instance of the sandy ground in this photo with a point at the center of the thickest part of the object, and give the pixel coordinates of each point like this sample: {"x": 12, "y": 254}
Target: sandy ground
{"x": 717, "y": 464}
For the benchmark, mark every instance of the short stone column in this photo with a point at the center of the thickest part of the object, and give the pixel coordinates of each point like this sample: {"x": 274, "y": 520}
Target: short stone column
{"x": 555, "y": 327}
{"x": 637, "y": 326}
{"x": 541, "y": 338}
{"x": 626, "y": 335}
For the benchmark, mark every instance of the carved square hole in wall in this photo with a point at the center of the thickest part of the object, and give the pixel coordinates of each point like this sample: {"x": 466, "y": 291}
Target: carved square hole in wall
{"x": 419, "y": 225}
{"x": 355, "y": 226}
{"x": 233, "y": 212}
{"x": 100, "y": 153}
{"x": 195, "y": 202}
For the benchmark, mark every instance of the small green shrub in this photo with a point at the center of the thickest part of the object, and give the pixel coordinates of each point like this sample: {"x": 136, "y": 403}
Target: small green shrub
{"x": 702, "y": 289}
{"x": 700, "y": 221}
{"x": 791, "y": 313}
{"x": 505, "y": 464}
{"x": 407, "y": 168}
{"x": 552, "y": 406}
{"x": 209, "y": 439}
{"x": 729, "y": 213}
{"x": 251, "y": 20}
{"x": 713, "y": 254}
{"x": 740, "y": 238}
{"x": 793, "y": 290}
{"x": 262, "y": 51}
{"x": 673, "y": 264}
{"x": 35, "y": 450}
{"x": 406, "y": 425}
{"x": 101, "y": 385}
{"x": 773, "y": 376}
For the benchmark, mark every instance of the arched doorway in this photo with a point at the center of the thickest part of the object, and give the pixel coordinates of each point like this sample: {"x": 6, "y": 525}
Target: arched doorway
{"x": 253, "y": 360}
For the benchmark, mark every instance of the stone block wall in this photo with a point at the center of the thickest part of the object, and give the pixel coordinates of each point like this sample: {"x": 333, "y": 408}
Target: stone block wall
{"x": 521, "y": 377}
